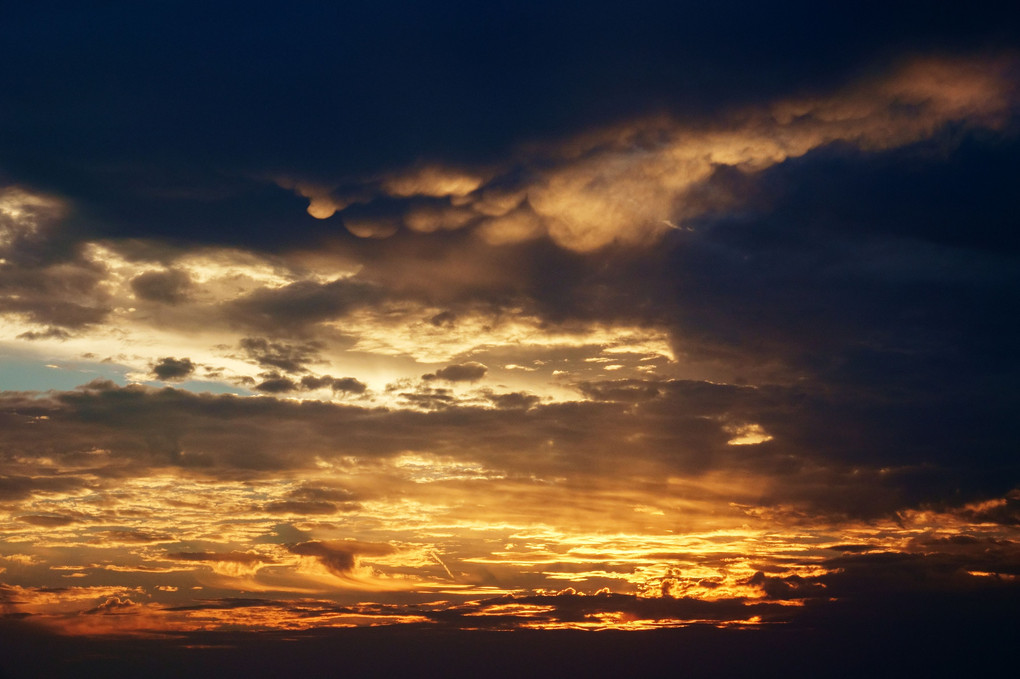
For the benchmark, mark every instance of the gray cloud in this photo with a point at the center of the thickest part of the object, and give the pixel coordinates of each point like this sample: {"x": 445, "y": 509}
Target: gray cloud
{"x": 64, "y": 295}
{"x": 171, "y": 369}
{"x": 472, "y": 371}
{"x": 166, "y": 287}
{"x": 274, "y": 383}
{"x": 113, "y": 606}
{"x": 49, "y": 333}
{"x": 48, "y": 520}
{"x": 286, "y": 356}
{"x": 348, "y": 385}
{"x": 290, "y": 310}
{"x": 306, "y": 507}
{"x": 340, "y": 556}
{"x": 245, "y": 558}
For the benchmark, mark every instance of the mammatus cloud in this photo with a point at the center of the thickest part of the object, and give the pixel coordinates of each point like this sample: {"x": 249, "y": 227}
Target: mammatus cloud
{"x": 631, "y": 183}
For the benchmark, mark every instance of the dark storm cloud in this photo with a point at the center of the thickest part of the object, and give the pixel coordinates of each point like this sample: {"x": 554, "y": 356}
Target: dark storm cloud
{"x": 171, "y": 369}
{"x": 178, "y": 125}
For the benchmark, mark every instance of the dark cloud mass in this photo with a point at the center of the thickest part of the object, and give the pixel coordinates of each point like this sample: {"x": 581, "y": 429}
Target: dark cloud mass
{"x": 453, "y": 80}
{"x": 340, "y": 556}
{"x": 460, "y": 372}
{"x": 168, "y": 287}
{"x": 511, "y": 316}
{"x": 171, "y": 369}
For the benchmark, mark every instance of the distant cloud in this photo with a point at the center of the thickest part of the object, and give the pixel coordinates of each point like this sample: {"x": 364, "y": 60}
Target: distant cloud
{"x": 113, "y": 606}
{"x": 167, "y": 287}
{"x": 274, "y": 383}
{"x": 48, "y": 520}
{"x": 348, "y": 385}
{"x": 291, "y": 357}
{"x": 49, "y": 333}
{"x": 171, "y": 369}
{"x": 245, "y": 558}
{"x": 340, "y": 556}
{"x": 471, "y": 371}
{"x": 308, "y": 507}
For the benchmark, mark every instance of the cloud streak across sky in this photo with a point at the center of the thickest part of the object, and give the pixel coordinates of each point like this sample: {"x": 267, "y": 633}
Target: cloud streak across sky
{"x": 564, "y": 323}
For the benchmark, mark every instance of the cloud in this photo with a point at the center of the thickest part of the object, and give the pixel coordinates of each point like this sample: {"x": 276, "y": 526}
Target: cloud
{"x": 348, "y": 385}
{"x": 48, "y": 520}
{"x": 340, "y": 556}
{"x": 620, "y": 390}
{"x": 285, "y": 356}
{"x": 472, "y": 371}
{"x": 651, "y": 236}
{"x": 244, "y": 558}
{"x": 632, "y": 183}
{"x": 570, "y": 609}
{"x": 291, "y": 309}
{"x": 27, "y": 219}
{"x": 274, "y": 383}
{"x": 49, "y": 333}
{"x": 171, "y": 369}
{"x": 65, "y": 294}
{"x": 166, "y": 287}
{"x": 19, "y": 487}
{"x": 684, "y": 432}
{"x": 133, "y": 536}
{"x": 309, "y": 507}
{"x": 514, "y": 400}
{"x": 113, "y": 606}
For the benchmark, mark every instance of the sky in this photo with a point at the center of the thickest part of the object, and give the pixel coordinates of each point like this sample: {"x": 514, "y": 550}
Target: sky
{"x": 529, "y": 317}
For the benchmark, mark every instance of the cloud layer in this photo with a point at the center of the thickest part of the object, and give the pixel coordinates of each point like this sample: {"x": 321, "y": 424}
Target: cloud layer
{"x": 504, "y": 318}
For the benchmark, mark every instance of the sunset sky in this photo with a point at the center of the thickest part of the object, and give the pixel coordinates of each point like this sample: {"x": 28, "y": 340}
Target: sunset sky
{"x": 476, "y": 316}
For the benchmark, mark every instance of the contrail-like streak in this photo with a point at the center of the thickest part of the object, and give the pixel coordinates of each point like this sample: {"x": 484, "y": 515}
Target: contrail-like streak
{"x": 440, "y": 562}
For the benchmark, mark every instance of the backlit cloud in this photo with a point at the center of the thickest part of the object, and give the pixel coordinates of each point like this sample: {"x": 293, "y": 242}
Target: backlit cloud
{"x": 536, "y": 320}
